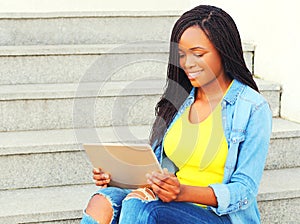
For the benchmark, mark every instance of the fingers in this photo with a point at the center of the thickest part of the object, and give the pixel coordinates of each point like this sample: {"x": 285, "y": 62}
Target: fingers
{"x": 163, "y": 194}
{"x": 96, "y": 170}
{"x": 162, "y": 178}
{"x": 99, "y": 174}
{"x": 165, "y": 185}
{"x": 101, "y": 178}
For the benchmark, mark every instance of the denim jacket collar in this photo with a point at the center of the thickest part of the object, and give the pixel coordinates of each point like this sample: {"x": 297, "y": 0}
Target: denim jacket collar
{"x": 235, "y": 90}
{"x": 230, "y": 97}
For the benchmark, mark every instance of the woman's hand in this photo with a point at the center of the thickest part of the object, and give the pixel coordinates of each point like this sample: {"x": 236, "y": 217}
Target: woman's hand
{"x": 165, "y": 185}
{"x": 101, "y": 178}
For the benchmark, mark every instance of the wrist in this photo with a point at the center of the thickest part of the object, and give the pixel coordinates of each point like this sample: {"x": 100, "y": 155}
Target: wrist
{"x": 181, "y": 193}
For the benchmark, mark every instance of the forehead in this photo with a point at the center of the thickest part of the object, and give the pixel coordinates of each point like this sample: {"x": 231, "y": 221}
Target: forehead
{"x": 194, "y": 37}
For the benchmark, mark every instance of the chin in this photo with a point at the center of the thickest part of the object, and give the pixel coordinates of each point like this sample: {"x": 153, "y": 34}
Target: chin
{"x": 203, "y": 83}
{"x": 196, "y": 83}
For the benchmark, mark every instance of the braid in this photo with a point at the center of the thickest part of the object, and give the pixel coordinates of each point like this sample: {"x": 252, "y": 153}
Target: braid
{"x": 228, "y": 45}
{"x": 223, "y": 33}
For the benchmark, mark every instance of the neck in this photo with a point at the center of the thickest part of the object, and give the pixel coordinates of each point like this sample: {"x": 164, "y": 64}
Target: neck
{"x": 213, "y": 91}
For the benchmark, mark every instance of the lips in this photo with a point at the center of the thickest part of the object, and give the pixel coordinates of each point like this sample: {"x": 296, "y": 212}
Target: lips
{"x": 193, "y": 75}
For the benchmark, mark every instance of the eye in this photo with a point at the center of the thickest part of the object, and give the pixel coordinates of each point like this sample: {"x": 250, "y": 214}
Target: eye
{"x": 181, "y": 55}
{"x": 199, "y": 55}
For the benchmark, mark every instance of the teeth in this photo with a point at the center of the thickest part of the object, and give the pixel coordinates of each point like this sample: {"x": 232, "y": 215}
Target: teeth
{"x": 195, "y": 74}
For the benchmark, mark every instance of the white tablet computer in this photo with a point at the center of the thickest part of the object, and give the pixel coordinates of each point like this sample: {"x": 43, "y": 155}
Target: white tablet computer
{"x": 127, "y": 164}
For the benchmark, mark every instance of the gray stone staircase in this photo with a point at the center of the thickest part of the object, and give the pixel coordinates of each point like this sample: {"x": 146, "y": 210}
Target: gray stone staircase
{"x": 68, "y": 78}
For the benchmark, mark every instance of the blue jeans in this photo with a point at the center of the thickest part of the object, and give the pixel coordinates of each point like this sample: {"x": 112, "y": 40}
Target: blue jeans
{"x": 135, "y": 210}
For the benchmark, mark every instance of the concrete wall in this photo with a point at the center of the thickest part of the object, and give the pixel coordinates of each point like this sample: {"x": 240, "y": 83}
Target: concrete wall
{"x": 278, "y": 48}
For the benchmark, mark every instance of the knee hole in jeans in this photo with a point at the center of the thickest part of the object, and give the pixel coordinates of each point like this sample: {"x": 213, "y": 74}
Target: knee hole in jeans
{"x": 100, "y": 208}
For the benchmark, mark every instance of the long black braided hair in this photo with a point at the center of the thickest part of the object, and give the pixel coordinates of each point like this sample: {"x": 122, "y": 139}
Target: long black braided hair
{"x": 221, "y": 30}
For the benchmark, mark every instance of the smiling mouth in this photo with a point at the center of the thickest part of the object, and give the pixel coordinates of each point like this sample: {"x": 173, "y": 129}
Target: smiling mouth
{"x": 193, "y": 75}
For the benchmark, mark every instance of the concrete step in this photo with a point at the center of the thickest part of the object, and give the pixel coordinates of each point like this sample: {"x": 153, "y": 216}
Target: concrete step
{"x": 63, "y": 106}
{"x": 85, "y": 27}
{"x": 46, "y": 64}
{"x": 54, "y": 157}
{"x": 44, "y": 205}
{"x": 59, "y": 106}
{"x": 58, "y": 153}
{"x": 279, "y": 189}
{"x": 82, "y": 63}
{"x": 284, "y": 149}
{"x": 279, "y": 196}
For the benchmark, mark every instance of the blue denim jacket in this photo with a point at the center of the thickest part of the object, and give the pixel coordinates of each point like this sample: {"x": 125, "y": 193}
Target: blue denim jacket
{"x": 247, "y": 124}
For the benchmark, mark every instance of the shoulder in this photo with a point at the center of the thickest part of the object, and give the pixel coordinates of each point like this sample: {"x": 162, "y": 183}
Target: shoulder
{"x": 246, "y": 106}
{"x": 242, "y": 95}
{"x": 255, "y": 99}
{"x": 252, "y": 95}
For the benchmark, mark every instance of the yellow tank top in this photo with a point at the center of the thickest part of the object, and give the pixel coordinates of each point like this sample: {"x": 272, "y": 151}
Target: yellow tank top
{"x": 198, "y": 150}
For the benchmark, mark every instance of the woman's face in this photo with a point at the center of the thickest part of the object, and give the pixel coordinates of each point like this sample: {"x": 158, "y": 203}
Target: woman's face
{"x": 199, "y": 58}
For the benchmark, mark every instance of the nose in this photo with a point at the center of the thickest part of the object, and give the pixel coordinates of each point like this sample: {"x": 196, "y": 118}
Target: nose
{"x": 189, "y": 62}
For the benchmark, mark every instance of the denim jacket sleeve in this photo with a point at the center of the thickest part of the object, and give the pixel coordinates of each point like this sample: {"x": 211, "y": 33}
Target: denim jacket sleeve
{"x": 250, "y": 146}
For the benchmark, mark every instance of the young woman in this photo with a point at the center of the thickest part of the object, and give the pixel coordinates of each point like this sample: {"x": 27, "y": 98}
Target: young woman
{"x": 205, "y": 135}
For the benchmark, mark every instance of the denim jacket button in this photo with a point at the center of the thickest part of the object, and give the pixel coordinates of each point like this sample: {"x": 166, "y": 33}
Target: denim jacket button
{"x": 240, "y": 205}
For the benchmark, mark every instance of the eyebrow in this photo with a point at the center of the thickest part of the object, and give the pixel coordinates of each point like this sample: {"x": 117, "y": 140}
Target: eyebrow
{"x": 197, "y": 48}
{"x": 194, "y": 48}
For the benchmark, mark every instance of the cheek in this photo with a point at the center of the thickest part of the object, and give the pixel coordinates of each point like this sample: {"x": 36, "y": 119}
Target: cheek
{"x": 181, "y": 62}
{"x": 214, "y": 65}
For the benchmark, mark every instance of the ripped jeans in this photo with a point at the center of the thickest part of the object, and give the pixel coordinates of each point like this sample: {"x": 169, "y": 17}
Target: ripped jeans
{"x": 135, "y": 210}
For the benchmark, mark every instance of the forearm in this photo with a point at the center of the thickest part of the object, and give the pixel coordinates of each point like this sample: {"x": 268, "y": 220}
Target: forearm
{"x": 199, "y": 195}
